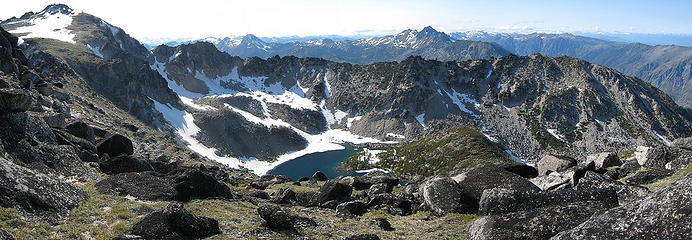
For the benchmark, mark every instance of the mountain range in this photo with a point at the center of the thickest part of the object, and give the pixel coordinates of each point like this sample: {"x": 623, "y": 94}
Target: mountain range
{"x": 667, "y": 67}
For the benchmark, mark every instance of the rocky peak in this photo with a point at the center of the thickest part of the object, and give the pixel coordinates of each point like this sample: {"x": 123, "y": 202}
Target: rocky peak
{"x": 58, "y": 8}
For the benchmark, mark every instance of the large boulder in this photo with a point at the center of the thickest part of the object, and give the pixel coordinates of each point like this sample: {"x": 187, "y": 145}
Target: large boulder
{"x": 195, "y": 184}
{"x": 551, "y": 181}
{"x": 123, "y": 164}
{"x": 499, "y": 200}
{"x": 149, "y": 186}
{"x": 522, "y": 170}
{"x": 443, "y": 196}
{"x": 46, "y": 196}
{"x": 52, "y": 159}
{"x": 395, "y": 205}
{"x": 648, "y": 176}
{"x": 535, "y": 223}
{"x": 474, "y": 181}
{"x": 15, "y": 100}
{"x": 604, "y": 160}
{"x": 626, "y": 193}
{"x": 175, "y": 222}
{"x": 115, "y": 145}
{"x": 284, "y": 195}
{"x": 353, "y": 207}
{"x": 83, "y": 148}
{"x": 333, "y": 190}
{"x": 552, "y": 163}
{"x": 319, "y": 176}
{"x": 82, "y": 130}
{"x": 663, "y": 214}
{"x": 659, "y": 157}
{"x": 281, "y": 219}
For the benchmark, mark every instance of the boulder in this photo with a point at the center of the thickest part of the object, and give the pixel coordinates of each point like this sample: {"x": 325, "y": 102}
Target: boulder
{"x": 626, "y": 193}
{"x": 81, "y": 130}
{"x": 552, "y": 163}
{"x": 127, "y": 237}
{"x": 280, "y": 219}
{"x": 443, "y": 196}
{"x": 522, "y": 170}
{"x": 307, "y": 199}
{"x": 195, "y": 184}
{"x": 15, "y": 100}
{"x": 395, "y": 205}
{"x": 648, "y": 176}
{"x": 353, "y": 207}
{"x": 47, "y": 196}
{"x": 629, "y": 166}
{"x": 303, "y": 179}
{"x": 660, "y": 156}
{"x": 123, "y": 164}
{"x": 379, "y": 188}
{"x": 535, "y": 223}
{"x": 149, "y": 186}
{"x": 500, "y": 201}
{"x": 83, "y": 148}
{"x": 52, "y": 159}
{"x": 604, "y": 160}
{"x": 319, "y": 176}
{"x": 175, "y": 222}
{"x": 53, "y": 119}
{"x": 333, "y": 190}
{"x": 474, "y": 181}
{"x": 663, "y": 214}
{"x": 369, "y": 236}
{"x": 284, "y": 195}
{"x": 115, "y": 145}
{"x": 551, "y": 181}
{"x": 383, "y": 224}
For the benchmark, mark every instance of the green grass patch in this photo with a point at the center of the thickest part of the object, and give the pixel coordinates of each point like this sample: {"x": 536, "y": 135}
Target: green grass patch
{"x": 446, "y": 150}
{"x": 669, "y": 180}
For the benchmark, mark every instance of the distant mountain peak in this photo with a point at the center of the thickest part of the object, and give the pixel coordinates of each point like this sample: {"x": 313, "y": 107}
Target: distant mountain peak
{"x": 58, "y": 8}
{"x": 429, "y": 29}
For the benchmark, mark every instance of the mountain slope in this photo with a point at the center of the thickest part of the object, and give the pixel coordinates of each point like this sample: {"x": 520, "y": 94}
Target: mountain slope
{"x": 110, "y": 61}
{"x": 534, "y": 105}
{"x": 667, "y": 67}
{"x": 427, "y": 42}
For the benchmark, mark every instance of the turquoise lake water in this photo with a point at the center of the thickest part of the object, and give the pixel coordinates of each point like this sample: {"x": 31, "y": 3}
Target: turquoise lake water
{"x": 326, "y": 162}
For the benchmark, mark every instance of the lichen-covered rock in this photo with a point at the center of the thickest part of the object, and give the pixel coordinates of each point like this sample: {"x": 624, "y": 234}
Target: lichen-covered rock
{"x": 474, "y": 181}
{"x": 626, "y": 193}
{"x": 281, "y": 219}
{"x": 333, "y": 190}
{"x": 552, "y": 163}
{"x": 43, "y": 195}
{"x": 82, "y": 130}
{"x": 538, "y": 223}
{"x": 604, "y": 160}
{"x": 551, "y": 181}
{"x": 115, "y": 145}
{"x": 15, "y": 100}
{"x": 443, "y": 196}
{"x": 353, "y": 207}
{"x": 499, "y": 200}
{"x": 148, "y": 186}
{"x": 175, "y": 222}
{"x": 123, "y": 164}
{"x": 663, "y": 214}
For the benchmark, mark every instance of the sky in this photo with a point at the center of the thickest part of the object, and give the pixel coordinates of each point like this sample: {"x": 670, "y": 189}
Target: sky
{"x": 172, "y": 19}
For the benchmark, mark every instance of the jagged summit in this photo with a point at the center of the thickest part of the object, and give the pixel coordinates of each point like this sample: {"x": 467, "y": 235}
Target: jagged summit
{"x": 58, "y": 8}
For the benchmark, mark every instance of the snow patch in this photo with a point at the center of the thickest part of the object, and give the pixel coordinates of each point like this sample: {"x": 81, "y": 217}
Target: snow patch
{"x": 96, "y": 50}
{"x": 663, "y": 139}
{"x": 52, "y": 26}
{"x": 421, "y": 119}
{"x": 189, "y": 102}
{"x": 460, "y": 99}
{"x": 511, "y": 154}
{"x": 371, "y": 170}
{"x": 556, "y": 134}
{"x": 394, "y": 135}
{"x": 489, "y": 73}
{"x": 349, "y": 121}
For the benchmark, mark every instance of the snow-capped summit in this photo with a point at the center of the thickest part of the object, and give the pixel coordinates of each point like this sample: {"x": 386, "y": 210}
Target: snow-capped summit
{"x": 58, "y": 8}
{"x": 51, "y": 22}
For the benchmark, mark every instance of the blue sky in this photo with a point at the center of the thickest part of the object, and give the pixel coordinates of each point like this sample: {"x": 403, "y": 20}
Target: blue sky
{"x": 199, "y": 18}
